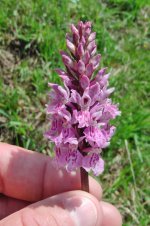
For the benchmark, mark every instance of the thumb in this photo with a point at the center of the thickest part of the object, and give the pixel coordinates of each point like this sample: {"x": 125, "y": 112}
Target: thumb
{"x": 75, "y": 208}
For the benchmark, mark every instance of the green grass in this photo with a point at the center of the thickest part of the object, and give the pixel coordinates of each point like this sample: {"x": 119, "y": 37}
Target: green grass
{"x": 31, "y": 35}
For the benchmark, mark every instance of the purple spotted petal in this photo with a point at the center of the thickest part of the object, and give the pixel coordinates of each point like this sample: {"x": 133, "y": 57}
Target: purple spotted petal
{"x": 93, "y": 162}
{"x": 83, "y": 118}
{"x": 74, "y": 160}
{"x": 75, "y": 97}
{"x": 94, "y": 92}
{"x": 58, "y": 95}
{"x": 68, "y": 136}
{"x": 110, "y": 111}
{"x": 95, "y": 137}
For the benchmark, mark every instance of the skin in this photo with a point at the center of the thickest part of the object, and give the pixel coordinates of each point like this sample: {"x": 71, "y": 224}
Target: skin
{"x": 33, "y": 191}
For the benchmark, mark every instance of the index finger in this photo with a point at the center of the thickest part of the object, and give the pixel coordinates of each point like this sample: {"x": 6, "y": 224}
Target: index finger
{"x": 31, "y": 176}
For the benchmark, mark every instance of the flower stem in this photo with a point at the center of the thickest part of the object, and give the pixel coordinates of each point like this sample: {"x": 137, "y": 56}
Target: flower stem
{"x": 84, "y": 180}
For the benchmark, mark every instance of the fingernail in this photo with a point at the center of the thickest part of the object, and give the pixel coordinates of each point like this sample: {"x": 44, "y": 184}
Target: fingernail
{"x": 83, "y": 212}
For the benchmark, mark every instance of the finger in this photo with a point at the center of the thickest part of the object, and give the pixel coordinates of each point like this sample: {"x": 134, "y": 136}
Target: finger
{"x": 75, "y": 208}
{"x": 95, "y": 188}
{"x": 31, "y": 176}
{"x": 10, "y": 205}
{"x": 112, "y": 216}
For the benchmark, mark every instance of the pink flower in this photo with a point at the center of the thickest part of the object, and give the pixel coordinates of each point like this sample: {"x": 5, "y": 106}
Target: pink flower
{"x": 93, "y": 162}
{"x": 95, "y": 137}
{"x": 74, "y": 160}
{"x": 68, "y": 136}
{"x": 83, "y": 118}
{"x": 55, "y": 128}
{"x": 75, "y": 97}
{"x": 85, "y": 100}
{"x": 69, "y": 157}
{"x": 58, "y": 97}
{"x": 110, "y": 111}
{"x": 80, "y": 113}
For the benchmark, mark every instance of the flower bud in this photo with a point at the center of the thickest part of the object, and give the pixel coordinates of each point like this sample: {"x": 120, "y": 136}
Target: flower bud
{"x": 81, "y": 67}
{"x": 70, "y": 46}
{"x": 80, "y": 50}
{"x": 67, "y": 60}
{"x": 92, "y": 37}
{"x": 86, "y": 57}
{"x": 75, "y": 34}
{"x": 87, "y": 31}
{"x": 102, "y": 71}
{"x": 84, "y": 81}
{"x": 89, "y": 70}
{"x": 94, "y": 51}
{"x": 74, "y": 29}
{"x": 83, "y": 41}
{"x": 76, "y": 39}
{"x": 80, "y": 28}
{"x": 60, "y": 72}
{"x": 96, "y": 60}
{"x": 91, "y": 46}
{"x": 88, "y": 24}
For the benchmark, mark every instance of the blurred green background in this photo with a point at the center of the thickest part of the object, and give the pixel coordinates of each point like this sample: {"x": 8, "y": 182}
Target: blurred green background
{"x": 31, "y": 35}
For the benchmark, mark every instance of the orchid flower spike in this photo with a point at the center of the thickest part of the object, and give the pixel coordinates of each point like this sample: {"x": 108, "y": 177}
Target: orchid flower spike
{"x": 80, "y": 112}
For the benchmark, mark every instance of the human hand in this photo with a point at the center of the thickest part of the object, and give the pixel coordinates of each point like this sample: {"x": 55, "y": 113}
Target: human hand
{"x": 34, "y": 193}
